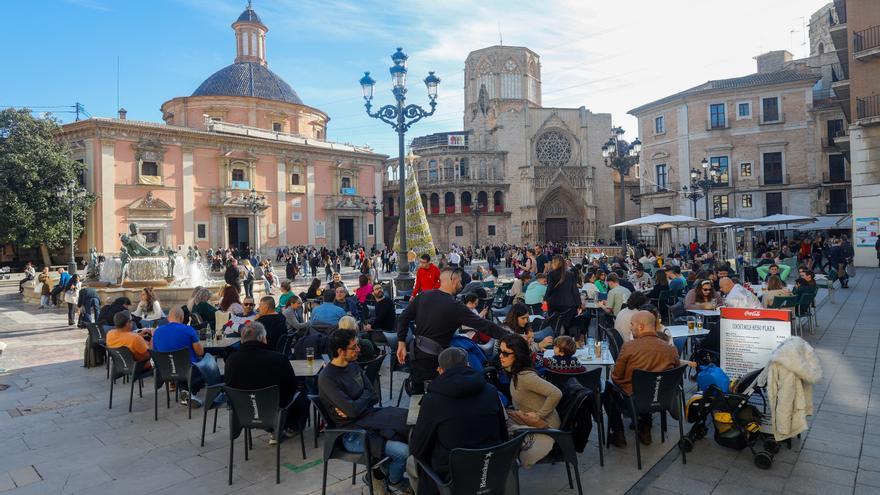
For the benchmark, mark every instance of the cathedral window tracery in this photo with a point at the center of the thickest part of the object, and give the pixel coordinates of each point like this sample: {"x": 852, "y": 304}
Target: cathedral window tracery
{"x": 553, "y": 149}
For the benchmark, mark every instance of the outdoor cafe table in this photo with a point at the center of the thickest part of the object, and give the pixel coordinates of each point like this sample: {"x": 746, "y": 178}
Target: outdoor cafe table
{"x": 705, "y": 312}
{"x": 213, "y": 345}
{"x": 677, "y": 331}
{"x": 587, "y": 357}
{"x": 302, "y": 368}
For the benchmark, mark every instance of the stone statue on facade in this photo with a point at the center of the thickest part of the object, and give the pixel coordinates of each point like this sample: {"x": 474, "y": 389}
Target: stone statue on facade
{"x": 125, "y": 260}
{"x": 136, "y": 244}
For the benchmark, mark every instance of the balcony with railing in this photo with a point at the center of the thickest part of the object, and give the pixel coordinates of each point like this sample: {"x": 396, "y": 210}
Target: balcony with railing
{"x": 868, "y": 110}
{"x": 824, "y": 98}
{"x": 717, "y": 125}
{"x": 836, "y": 177}
{"x": 768, "y": 120}
{"x": 776, "y": 180}
{"x": 838, "y": 139}
{"x": 866, "y": 43}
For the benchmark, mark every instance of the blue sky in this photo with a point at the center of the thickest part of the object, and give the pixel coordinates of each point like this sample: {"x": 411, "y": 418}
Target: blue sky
{"x": 609, "y": 56}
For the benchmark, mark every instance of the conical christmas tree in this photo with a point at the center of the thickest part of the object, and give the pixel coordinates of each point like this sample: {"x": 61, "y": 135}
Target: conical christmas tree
{"x": 418, "y": 233}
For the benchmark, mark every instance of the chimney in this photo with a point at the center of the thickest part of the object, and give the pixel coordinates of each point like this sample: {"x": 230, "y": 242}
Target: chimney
{"x": 773, "y": 61}
{"x": 122, "y": 113}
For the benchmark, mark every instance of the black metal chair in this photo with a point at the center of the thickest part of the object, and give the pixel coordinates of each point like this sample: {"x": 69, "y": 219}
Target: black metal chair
{"x": 657, "y": 391}
{"x": 261, "y": 408}
{"x": 97, "y": 343}
{"x": 485, "y": 471}
{"x": 371, "y": 369}
{"x": 171, "y": 367}
{"x": 395, "y": 365}
{"x": 124, "y": 366}
{"x": 333, "y": 448}
{"x": 591, "y": 380}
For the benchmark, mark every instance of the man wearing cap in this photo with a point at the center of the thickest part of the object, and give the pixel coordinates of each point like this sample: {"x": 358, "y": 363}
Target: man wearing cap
{"x": 122, "y": 336}
{"x": 461, "y": 410}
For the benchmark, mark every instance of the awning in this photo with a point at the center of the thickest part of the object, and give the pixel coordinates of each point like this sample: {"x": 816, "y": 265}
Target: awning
{"x": 658, "y": 219}
{"x": 828, "y": 222}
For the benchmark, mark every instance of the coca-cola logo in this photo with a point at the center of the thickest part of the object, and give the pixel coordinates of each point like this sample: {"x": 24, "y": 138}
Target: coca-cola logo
{"x": 752, "y": 313}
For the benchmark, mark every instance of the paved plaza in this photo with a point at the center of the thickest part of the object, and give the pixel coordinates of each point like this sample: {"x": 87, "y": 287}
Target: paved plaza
{"x": 58, "y": 436}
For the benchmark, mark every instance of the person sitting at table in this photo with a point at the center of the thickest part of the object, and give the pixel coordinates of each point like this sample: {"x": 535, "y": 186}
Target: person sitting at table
{"x": 292, "y": 316}
{"x": 285, "y": 295}
{"x": 200, "y": 305}
{"x": 621, "y": 322}
{"x": 534, "y": 399}
{"x": 123, "y": 336}
{"x": 640, "y": 279}
{"x": 327, "y": 313}
{"x": 519, "y": 284}
{"x": 617, "y": 296}
{"x": 462, "y": 411}
{"x": 368, "y": 349}
{"x": 766, "y": 271}
{"x": 275, "y": 323}
{"x": 174, "y": 336}
{"x": 517, "y": 321}
{"x": 589, "y": 288}
{"x": 384, "y": 315}
{"x": 703, "y": 296}
{"x": 254, "y": 366}
{"x": 646, "y": 352}
{"x": 600, "y": 281}
{"x": 349, "y": 398}
{"x": 105, "y": 316}
{"x": 623, "y": 281}
{"x": 661, "y": 284}
{"x": 249, "y": 308}
{"x": 676, "y": 281}
{"x": 564, "y": 360}
{"x": 720, "y": 272}
{"x": 314, "y": 290}
{"x": 335, "y": 282}
{"x": 534, "y": 295}
{"x": 230, "y": 300}
{"x": 365, "y": 288}
{"x": 736, "y": 296}
{"x": 775, "y": 288}
{"x": 148, "y": 308}
{"x": 347, "y": 304}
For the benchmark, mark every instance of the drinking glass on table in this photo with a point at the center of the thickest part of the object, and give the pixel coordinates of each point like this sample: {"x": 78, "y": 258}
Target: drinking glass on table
{"x": 699, "y": 323}
{"x": 310, "y": 355}
{"x": 691, "y": 324}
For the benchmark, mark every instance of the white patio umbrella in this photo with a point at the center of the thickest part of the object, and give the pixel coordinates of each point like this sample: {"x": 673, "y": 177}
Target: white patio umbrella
{"x": 658, "y": 219}
{"x": 783, "y": 219}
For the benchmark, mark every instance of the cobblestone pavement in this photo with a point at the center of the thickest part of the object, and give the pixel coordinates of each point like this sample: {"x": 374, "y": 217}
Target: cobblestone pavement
{"x": 58, "y": 436}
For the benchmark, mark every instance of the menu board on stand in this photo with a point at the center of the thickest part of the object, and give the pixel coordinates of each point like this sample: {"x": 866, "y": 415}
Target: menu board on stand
{"x": 749, "y": 336}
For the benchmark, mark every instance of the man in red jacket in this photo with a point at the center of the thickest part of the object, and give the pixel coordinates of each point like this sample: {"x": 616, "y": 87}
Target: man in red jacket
{"x": 427, "y": 276}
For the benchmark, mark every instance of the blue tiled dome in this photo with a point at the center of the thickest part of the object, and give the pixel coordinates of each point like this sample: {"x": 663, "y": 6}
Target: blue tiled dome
{"x": 249, "y": 16}
{"x": 248, "y": 79}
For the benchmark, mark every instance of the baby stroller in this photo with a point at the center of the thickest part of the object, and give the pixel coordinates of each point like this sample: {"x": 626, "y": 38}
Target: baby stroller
{"x": 737, "y": 423}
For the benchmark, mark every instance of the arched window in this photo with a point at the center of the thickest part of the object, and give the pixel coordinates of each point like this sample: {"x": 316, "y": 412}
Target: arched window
{"x": 435, "y": 204}
{"x": 466, "y": 202}
{"x": 448, "y": 170}
{"x": 463, "y": 171}
{"x": 485, "y": 77}
{"x": 346, "y": 182}
{"x": 483, "y": 201}
{"x": 511, "y": 81}
{"x": 483, "y": 172}
{"x": 432, "y": 171}
{"x": 449, "y": 202}
{"x": 498, "y": 201}
{"x": 821, "y": 48}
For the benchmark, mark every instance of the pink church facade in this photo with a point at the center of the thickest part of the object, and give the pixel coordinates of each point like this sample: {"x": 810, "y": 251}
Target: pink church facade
{"x": 244, "y": 128}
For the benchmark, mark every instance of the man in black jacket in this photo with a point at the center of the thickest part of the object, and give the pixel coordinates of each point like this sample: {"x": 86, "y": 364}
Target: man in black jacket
{"x": 90, "y": 304}
{"x": 437, "y": 314}
{"x": 232, "y": 275}
{"x": 254, "y": 367}
{"x": 274, "y": 322}
{"x": 461, "y": 411}
{"x": 384, "y": 316}
{"x": 105, "y": 317}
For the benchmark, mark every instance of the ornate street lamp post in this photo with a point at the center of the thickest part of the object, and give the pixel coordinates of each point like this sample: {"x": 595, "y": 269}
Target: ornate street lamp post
{"x": 702, "y": 181}
{"x": 621, "y": 155}
{"x": 401, "y": 117}
{"x": 373, "y": 207}
{"x": 255, "y": 203}
{"x": 71, "y": 195}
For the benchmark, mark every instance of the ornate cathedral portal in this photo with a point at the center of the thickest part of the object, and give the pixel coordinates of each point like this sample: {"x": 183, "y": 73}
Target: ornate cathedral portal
{"x": 561, "y": 216}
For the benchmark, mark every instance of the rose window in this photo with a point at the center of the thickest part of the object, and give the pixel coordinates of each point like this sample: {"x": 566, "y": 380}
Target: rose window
{"x": 553, "y": 149}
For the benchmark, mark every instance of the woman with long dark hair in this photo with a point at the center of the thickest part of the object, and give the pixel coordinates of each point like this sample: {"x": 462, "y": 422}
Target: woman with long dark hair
{"x": 534, "y": 399}
{"x": 229, "y": 300}
{"x": 562, "y": 296}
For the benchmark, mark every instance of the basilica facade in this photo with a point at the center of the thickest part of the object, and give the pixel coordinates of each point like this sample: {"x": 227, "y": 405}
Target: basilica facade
{"x": 517, "y": 172}
{"x": 244, "y": 131}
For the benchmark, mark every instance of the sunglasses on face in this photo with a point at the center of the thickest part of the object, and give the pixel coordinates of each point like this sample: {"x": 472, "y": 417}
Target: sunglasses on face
{"x": 247, "y": 304}
{"x": 506, "y": 353}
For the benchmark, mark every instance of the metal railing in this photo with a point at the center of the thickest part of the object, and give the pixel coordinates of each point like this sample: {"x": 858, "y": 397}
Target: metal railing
{"x": 828, "y": 142}
{"x": 866, "y": 39}
{"x": 836, "y": 177}
{"x": 780, "y": 119}
{"x": 717, "y": 125}
{"x": 785, "y": 180}
{"x": 824, "y": 98}
{"x": 868, "y": 107}
{"x": 836, "y": 208}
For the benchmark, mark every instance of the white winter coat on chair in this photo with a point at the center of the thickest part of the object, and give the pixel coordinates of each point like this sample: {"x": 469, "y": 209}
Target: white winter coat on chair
{"x": 792, "y": 371}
